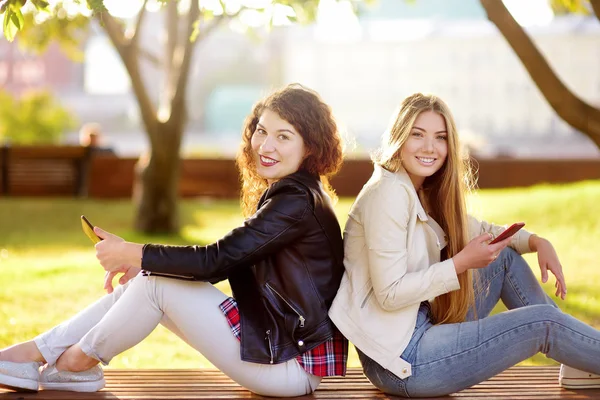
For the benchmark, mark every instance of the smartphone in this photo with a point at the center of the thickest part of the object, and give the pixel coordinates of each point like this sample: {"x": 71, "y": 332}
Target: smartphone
{"x": 88, "y": 229}
{"x": 508, "y": 232}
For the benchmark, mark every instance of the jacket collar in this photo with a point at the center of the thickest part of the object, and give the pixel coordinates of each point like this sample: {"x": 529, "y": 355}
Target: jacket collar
{"x": 402, "y": 176}
{"x": 304, "y": 177}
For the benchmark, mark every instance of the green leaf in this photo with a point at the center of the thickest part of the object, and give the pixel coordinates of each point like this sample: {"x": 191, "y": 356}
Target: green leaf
{"x": 6, "y": 19}
{"x": 195, "y": 31}
{"x": 41, "y": 5}
{"x": 96, "y": 6}
{"x": 17, "y": 18}
{"x": 3, "y": 6}
{"x": 10, "y": 29}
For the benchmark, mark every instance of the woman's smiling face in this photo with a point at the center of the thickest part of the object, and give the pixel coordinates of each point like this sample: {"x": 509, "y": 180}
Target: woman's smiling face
{"x": 277, "y": 146}
{"x": 426, "y": 148}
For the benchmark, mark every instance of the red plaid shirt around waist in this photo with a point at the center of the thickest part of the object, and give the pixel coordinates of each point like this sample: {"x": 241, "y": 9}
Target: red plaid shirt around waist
{"x": 327, "y": 359}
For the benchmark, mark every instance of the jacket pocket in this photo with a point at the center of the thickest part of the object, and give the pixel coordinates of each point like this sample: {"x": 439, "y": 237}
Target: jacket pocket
{"x": 301, "y": 319}
{"x": 367, "y": 297}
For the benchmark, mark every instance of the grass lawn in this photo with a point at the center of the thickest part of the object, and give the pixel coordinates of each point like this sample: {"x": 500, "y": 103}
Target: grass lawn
{"x": 49, "y": 271}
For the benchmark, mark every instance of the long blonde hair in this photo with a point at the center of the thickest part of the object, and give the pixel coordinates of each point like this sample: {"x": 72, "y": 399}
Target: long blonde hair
{"x": 304, "y": 109}
{"x": 444, "y": 193}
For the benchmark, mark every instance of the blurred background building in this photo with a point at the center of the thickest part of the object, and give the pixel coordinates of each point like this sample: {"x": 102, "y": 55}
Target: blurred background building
{"x": 363, "y": 66}
{"x": 450, "y": 49}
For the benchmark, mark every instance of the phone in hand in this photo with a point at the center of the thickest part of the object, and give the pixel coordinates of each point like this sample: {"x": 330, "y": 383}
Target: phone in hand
{"x": 88, "y": 229}
{"x": 508, "y": 232}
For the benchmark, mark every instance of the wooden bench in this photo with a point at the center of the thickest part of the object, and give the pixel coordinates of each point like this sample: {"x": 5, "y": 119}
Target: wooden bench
{"x": 113, "y": 177}
{"x": 43, "y": 170}
{"x": 528, "y": 383}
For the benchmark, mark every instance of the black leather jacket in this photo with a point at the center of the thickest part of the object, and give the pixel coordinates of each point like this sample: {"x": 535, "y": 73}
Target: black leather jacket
{"x": 284, "y": 265}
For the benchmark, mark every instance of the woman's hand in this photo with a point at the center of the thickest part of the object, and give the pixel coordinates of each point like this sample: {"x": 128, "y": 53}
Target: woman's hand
{"x": 548, "y": 261}
{"x": 129, "y": 273}
{"x": 478, "y": 253}
{"x": 117, "y": 256}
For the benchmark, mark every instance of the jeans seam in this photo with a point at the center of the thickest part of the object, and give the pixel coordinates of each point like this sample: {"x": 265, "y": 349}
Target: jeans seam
{"x": 516, "y": 288}
{"x": 487, "y": 283}
{"x": 504, "y": 333}
{"x": 396, "y": 380}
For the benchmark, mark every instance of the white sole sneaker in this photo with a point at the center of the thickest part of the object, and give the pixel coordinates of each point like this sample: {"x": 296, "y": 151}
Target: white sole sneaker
{"x": 19, "y": 376}
{"x": 90, "y": 380}
{"x": 571, "y": 378}
{"x": 18, "y": 384}
{"x": 92, "y": 386}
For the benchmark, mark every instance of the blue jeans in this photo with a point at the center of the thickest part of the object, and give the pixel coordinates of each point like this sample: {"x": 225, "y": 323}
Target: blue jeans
{"x": 451, "y": 357}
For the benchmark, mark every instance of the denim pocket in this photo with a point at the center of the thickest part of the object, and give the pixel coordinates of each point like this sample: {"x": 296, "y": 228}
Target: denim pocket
{"x": 422, "y": 324}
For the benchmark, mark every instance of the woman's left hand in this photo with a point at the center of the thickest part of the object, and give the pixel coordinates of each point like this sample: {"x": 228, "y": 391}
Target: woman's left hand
{"x": 548, "y": 260}
{"x": 128, "y": 274}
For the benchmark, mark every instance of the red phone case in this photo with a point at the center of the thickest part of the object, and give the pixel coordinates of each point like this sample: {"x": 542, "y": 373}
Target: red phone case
{"x": 508, "y": 232}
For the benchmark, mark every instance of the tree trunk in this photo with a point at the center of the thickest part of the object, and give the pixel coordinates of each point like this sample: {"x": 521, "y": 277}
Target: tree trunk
{"x": 156, "y": 184}
{"x": 567, "y": 105}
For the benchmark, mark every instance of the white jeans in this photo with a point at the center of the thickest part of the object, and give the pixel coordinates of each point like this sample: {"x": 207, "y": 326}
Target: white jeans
{"x": 120, "y": 320}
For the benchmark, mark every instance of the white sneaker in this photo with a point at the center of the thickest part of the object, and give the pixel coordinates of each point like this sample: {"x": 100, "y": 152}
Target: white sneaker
{"x": 22, "y": 377}
{"x": 571, "y": 378}
{"x": 90, "y": 380}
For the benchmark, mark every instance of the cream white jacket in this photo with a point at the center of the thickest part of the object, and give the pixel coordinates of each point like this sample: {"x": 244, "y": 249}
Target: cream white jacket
{"x": 392, "y": 261}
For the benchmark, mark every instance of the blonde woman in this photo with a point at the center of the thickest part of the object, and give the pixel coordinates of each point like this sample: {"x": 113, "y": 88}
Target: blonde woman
{"x": 408, "y": 300}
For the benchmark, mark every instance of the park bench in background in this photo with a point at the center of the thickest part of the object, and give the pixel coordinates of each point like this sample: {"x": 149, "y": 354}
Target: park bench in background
{"x": 530, "y": 383}
{"x": 44, "y": 170}
{"x": 79, "y": 171}
{"x": 112, "y": 177}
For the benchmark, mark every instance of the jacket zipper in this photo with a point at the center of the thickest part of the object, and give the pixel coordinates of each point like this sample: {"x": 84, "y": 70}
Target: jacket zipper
{"x": 364, "y": 303}
{"x": 270, "y": 347}
{"x": 300, "y": 317}
{"x": 185, "y": 277}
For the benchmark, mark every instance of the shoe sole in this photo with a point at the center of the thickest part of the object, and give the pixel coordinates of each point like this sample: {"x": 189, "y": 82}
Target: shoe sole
{"x": 18, "y": 384}
{"x": 93, "y": 386}
{"x": 581, "y": 383}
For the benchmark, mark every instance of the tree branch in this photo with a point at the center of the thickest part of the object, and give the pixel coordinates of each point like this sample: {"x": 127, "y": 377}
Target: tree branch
{"x": 178, "y": 100}
{"x": 214, "y": 24}
{"x": 567, "y": 105}
{"x": 596, "y": 8}
{"x": 129, "y": 56}
{"x": 149, "y": 56}
{"x": 172, "y": 25}
{"x": 113, "y": 29}
{"x": 138, "y": 25}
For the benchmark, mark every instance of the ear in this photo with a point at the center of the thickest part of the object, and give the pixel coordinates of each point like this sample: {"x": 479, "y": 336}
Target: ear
{"x": 306, "y": 156}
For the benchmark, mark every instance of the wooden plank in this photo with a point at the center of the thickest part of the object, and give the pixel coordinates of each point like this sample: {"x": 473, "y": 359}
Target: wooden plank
{"x": 48, "y": 152}
{"x": 517, "y": 383}
{"x": 111, "y": 177}
{"x": 43, "y": 170}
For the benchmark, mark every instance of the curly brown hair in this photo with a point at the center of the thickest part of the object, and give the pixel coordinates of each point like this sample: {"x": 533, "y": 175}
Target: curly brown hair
{"x": 304, "y": 109}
